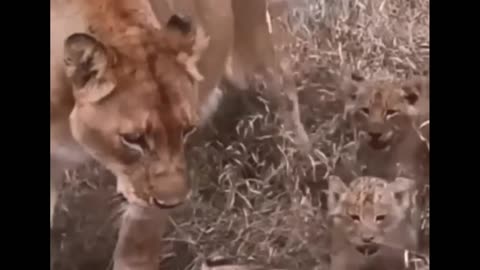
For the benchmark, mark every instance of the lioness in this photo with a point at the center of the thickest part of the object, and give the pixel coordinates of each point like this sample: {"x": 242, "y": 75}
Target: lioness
{"x": 127, "y": 85}
{"x": 372, "y": 222}
{"x": 391, "y": 114}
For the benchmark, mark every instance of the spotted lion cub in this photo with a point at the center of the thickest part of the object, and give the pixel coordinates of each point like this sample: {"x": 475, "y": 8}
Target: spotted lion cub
{"x": 371, "y": 223}
{"x": 392, "y": 117}
{"x": 386, "y": 108}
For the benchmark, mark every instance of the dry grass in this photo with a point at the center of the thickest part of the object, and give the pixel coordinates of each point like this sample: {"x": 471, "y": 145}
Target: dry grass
{"x": 257, "y": 199}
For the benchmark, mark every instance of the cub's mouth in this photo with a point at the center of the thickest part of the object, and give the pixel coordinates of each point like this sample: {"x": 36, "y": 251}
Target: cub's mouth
{"x": 378, "y": 144}
{"x": 368, "y": 250}
{"x": 381, "y": 142}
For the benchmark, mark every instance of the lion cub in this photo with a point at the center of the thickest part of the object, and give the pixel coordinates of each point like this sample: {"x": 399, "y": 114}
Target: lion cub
{"x": 391, "y": 115}
{"x": 372, "y": 223}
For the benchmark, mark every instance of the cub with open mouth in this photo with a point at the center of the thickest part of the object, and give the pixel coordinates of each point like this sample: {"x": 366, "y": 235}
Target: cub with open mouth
{"x": 391, "y": 117}
{"x": 386, "y": 109}
{"x": 369, "y": 218}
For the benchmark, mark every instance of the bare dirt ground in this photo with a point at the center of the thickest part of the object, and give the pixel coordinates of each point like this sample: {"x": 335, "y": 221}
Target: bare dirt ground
{"x": 257, "y": 199}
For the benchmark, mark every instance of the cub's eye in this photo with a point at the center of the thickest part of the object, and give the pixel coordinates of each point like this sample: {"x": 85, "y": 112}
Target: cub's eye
{"x": 135, "y": 138}
{"x": 355, "y": 217}
{"x": 380, "y": 218}
{"x": 365, "y": 110}
{"x": 391, "y": 112}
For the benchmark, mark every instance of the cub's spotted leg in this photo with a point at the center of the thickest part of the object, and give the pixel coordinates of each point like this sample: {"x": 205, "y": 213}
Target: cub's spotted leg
{"x": 139, "y": 239}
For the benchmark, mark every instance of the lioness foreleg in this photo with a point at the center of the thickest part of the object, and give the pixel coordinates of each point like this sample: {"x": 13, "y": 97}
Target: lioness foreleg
{"x": 139, "y": 239}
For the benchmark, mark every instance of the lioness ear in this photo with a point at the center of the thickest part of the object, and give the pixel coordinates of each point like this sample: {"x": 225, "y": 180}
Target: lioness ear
{"x": 86, "y": 65}
{"x": 198, "y": 43}
{"x": 336, "y": 187}
{"x": 402, "y": 189}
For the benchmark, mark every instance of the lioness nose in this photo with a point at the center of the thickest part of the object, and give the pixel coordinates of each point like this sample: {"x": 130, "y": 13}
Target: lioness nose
{"x": 375, "y": 135}
{"x": 163, "y": 205}
{"x": 171, "y": 203}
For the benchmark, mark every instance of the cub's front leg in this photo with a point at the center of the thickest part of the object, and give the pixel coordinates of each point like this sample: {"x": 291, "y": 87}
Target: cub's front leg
{"x": 139, "y": 239}
{"x": 342, "y": 261}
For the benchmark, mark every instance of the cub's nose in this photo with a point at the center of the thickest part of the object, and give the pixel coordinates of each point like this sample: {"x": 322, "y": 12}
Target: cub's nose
{"x": 367, "y": 238}
{"x": 375, "y": 135}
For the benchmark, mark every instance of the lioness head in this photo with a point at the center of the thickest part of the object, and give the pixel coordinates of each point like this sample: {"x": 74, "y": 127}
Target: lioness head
{"x": 135, "y": 98}
{"x": 385, "y": 109}
{"x": 367, "y": 210}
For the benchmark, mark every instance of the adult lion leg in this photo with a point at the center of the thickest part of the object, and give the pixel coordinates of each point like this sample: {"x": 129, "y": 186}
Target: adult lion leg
{"x": 56, "y": 173}
{"x": 281, "y": 87}
{"x": 139, "y": 238}
{"x": 53, "y": 202}
{"x": 255, "y": 53}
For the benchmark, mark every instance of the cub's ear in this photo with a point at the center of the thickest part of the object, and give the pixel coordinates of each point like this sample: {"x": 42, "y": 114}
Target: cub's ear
{"x": 402, "y": 189}
{"x": 416, "y": 93}
{"x": 350, "y": 85}
{"x": 178, "y": 23}
{"x": 336, "y": 187}
{"x": 87, "y": 62}
{"x": 355, "y": 76}
{"x": 415, "y": 87}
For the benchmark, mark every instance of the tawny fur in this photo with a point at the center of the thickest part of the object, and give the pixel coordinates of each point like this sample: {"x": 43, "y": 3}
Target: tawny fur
{"x": 127, "y": 87}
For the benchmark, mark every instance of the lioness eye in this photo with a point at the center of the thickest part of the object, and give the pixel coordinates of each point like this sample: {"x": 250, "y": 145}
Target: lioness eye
{"x": 135, "y": 144}
{"x": 133, "y": 138}
{"x": 380, "y": 218}
{"x": 355, "y": 217}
